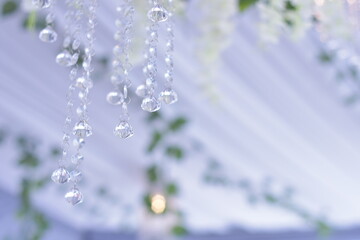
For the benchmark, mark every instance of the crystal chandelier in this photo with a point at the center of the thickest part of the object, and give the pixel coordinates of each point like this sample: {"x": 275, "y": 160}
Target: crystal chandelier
{"x": 80, "y": 30}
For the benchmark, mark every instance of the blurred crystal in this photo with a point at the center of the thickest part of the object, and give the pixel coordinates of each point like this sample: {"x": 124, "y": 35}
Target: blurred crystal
{"x": 158, "y": 14}
{"x": 169, "y": 96}
{"x": 48, "y": 35}
{"x": 74, "y": 196}
{"x": 83, "y": 82}
{"x": 141, "y": 91}
{"x": 77, "y": 159}
{"x": 41, "y": 3}
{"x": 64, "y": 59}
{"x": 60, "y": 175}
{"x": 123, "y": 130}
{"x": 151, "y": 104}
{"x": 75, "y": 176}
{"x": 115, "y": 98}
{"x": 82, "y": 129}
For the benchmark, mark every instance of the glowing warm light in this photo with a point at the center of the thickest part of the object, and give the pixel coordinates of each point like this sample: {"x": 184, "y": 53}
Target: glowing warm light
{"x": 158, "y": 203}
{"x": 319, "y": 2}
{"x": 351, "y": 1}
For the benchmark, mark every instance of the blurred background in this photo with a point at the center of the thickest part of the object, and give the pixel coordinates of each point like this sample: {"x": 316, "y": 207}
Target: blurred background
{"x": 262, "y": 144}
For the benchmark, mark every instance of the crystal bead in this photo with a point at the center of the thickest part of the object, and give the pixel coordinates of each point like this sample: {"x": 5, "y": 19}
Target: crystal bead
{"x": 169, "y": 96}
{"x": 158, "y": 14}
{"x": 48, "y": 35}
{"x": 82, "y": 129}
{"x": 75, "y": 176}
{"x": 79, "y": 143}
{"x": 67, "y": 42}
{"x": 115, "y": 98}
{"x": 77, "y": 159}
{"x": 74, "y": 196}
{"x": 150, "y": 104}
{"x": 60, "y": 175}
{"x": 83, "y": 83}
{"x": 123, "y": 130}
{"x": 141, "y": 91}
{"x": 64, "y": 59}
{"x": 50, "y": 18}
{"x": 41, "y": 3}
{"x": 117, "y": 51}
{"x": 76, "y": 44}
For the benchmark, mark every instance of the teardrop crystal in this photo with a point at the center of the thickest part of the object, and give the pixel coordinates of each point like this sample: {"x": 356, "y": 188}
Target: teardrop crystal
{"x": 41, "y": 3}
{"x": 82, "y": 129}
{"x": 77, "y": 159}
{"x": 150, "y": 104}
{"x": 115, "y": 98}
{"x": 60, "y": 175}
{"x": 169, "y": 96}
{"x": 64, "y": 59}
{"x": 74, "y": 196}
{"x": 48, "y": 35}
{"x": 158, "y": 14}
{"x": 123, "y": 130}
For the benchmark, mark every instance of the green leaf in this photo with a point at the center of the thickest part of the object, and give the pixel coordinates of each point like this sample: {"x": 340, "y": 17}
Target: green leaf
{"x": 33, "y": 22}
{"x": 270, "y": 198}
{"x": 154, "y": 116}
{"x": 172, "y": 189}
{"x": 177, "y": 124}
{"x": 147, "y": 201}
{"x": 29, "y": 160}
{"x": 290, "y": 6}
{"x": 325, "y": 57}
{"x": 179, "y": 230}
{"x": 156, "y": 138}
{"x": 9, "y": 7}
{"x": 152, "y": 174}
{"x": 245, "y": 4}
{"x": 323, "y": 228}
{"x": 175, "y": 152}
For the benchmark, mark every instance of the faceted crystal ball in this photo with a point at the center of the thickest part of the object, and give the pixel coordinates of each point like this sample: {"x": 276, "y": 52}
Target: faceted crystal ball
{"x": 41, "y": 3}
{"x": 48, "y": 35}
{"x": 60, "y": 175}
{"x": 123, "y": 130}
{"x": 83, "y": 83}
{"x": 158, "y": 14}
{"x": 169, "y": 96}
{"x": 82, "y": 129}
{"x": 74, "y": 196}
{"x": 115, "y": 98}
{"x": 150, "y": 104}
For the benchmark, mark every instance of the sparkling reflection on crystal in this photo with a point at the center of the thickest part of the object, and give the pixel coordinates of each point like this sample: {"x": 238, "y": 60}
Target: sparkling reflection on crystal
{"x": 123, "y": 130}
{"x": 82, "y": 129}
{"x": 60, "y": 175}
{"x": 83, "y": 83}
{"x": 115, "y": 98}
{"x": 74, "y": 196}
{"x": 41, "y": 3}
{"x": 158, "y": 14}
{"x": 169, "y": 96}
{"x": 48, "y": 35}
{"x": 141, "y": 91}
{"x": 75, "y": 176}
{"x": 150, "y": 104}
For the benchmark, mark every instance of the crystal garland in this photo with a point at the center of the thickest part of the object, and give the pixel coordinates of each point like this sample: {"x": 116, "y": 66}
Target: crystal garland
{"x": 121, "y": 67}
{"x": 150, "y": 103}
{"x": 80, "y": 11}
{"x": 69, "y": 57}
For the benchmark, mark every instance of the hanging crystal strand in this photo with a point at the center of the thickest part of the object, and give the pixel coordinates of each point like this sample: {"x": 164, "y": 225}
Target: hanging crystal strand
{"x": 168, "y": 95}
{"x": 82, "y": 129}
{"x": 151, "y": 103}
{"x": 48, "y": 34}
{"x": 121, "y": 67}
{"x": 70, "y": 53}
